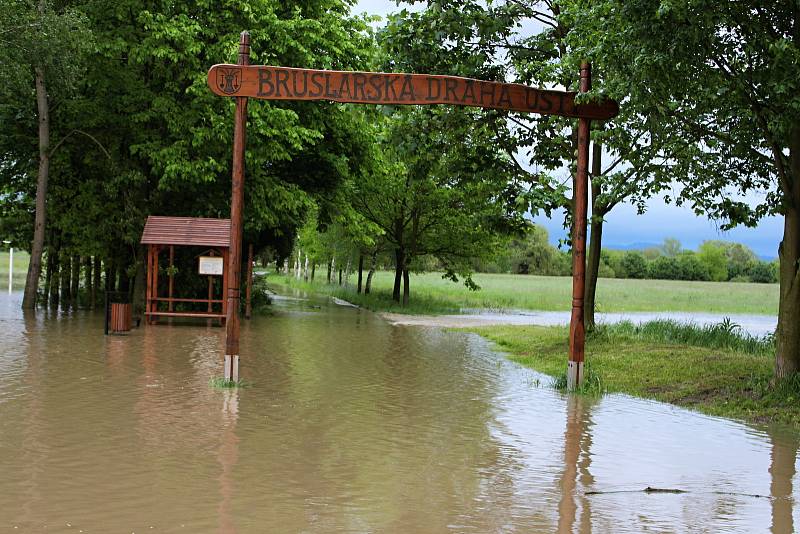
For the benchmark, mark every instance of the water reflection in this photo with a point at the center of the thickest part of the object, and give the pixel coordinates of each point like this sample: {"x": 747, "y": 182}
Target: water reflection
{"x": 353, "y": 425}
{"x": 782, "y": 473}
{"x": 576, "y": 477}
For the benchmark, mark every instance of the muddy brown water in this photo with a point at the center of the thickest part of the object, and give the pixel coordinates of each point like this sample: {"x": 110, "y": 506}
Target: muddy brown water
{"x": 350, "y": 424}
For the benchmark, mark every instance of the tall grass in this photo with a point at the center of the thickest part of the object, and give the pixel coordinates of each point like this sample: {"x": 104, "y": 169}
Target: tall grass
{"x": 724, "y": 335}
{"x": 431, "y": 294}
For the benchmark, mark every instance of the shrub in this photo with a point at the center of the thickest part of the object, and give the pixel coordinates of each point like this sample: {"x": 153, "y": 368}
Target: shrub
{"x": 763, "y": 272}
{"x": 691, "y": 268}
{"x": 665, "y": 268}
{"x": 634, "y": 264}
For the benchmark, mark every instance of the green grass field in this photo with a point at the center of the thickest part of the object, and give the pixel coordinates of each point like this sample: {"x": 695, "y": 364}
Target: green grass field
{"x": 20, "y": 269}
{"x": 718, "y": 375}
{"x": 431, "y": 294}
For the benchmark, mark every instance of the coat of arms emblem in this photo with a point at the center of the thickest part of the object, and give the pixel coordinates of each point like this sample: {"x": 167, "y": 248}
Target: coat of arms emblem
{"x": 229, "y": 80}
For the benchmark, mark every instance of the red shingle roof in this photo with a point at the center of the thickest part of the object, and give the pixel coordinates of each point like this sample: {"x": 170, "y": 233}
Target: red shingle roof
{"x": 187, "y": 231}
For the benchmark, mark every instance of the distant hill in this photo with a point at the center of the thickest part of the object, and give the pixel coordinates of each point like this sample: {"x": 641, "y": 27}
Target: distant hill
{"x": 632, "y": 246}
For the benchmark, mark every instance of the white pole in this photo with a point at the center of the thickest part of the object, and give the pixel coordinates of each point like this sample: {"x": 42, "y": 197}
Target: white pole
{"x": 10, "y": 269}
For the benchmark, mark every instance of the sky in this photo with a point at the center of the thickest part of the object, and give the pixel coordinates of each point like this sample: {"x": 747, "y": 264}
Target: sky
{"x": 624, "y": 226}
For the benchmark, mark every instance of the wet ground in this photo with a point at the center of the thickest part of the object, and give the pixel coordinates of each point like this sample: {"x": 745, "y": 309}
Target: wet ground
{"x": 756, "y": 325}
{"x": 351, "y": 424}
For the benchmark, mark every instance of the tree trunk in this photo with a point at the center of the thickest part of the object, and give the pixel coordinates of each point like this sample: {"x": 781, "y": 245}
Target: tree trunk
{"x": 368, "y": 285}
{"x": 360, "y": 271}
{"x": 75, "y": 282}
{"x": 406, "y": 288}
{"x": 40, "y": 221}
{"x": 313, "y": 270}
{"x": 787, "y": 358}
{"x": 340, "y": 276}
{"x": 55, "y": 283}
{"x": 139, "y": 284}
{"x": 97, "y": 279}
{"x": 48, "y": 277}
{"x": 111, "y": 275}
{"x": 595, "y": 242}
{"x": 347, "y": 271}
{"x": 330, "y": 267}
{"x": 399, "y": 262}
{"x": 66, "y": 270}
{"x": 87, "y": 280}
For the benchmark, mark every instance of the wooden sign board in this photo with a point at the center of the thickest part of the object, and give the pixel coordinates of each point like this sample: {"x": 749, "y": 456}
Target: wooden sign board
{"x": 211, "y": 265}
{"x": 286, "y": 83}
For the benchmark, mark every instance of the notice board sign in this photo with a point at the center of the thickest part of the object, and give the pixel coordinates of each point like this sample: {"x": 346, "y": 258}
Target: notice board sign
{"x": 211, "y": 265}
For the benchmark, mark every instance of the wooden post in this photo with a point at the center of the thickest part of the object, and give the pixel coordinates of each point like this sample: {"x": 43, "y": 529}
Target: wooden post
{"x": 577, "y": 333}
{"x": 231, "y": 363}
{"x": 171, "y": 276}
{"x": 248, "y": 308}
{"x": 211, "y": 287}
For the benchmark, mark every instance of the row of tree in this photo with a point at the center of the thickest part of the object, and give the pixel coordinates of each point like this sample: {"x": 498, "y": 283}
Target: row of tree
{"x": 109, "y": 119}
{"x": 713, "y": 261}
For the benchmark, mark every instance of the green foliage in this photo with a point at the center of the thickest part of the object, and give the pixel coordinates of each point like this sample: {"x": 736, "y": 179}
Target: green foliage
{"x": 665, "y": 268}
{"x": 664, "y": 363}
{"x": 634, "y": 264}
{"x": 763, "y": 272}
{"x": 713, "y": 257}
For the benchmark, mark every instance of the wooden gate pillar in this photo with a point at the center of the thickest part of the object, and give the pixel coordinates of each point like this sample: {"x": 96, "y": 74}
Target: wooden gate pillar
{"x": 231, "y": 363}
{"x": 577, "y": 333}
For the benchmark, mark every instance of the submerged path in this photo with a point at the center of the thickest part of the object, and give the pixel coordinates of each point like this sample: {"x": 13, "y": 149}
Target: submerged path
{"x": 351, "y": 424}
{"x": 756, "y": 325}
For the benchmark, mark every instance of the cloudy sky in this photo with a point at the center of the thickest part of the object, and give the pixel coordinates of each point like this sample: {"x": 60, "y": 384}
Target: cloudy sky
{"x": 623, "y": 225}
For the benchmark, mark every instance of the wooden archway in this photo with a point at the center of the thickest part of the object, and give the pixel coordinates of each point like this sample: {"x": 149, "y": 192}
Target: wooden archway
{"x": 243, "y": 81}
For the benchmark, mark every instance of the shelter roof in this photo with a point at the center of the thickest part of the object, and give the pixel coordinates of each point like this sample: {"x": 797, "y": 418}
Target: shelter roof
{"x": 187, "y": 231}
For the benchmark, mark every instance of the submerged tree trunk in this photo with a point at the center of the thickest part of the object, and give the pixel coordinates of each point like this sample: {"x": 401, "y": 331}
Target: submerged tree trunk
{"x": 87, "y": 279}
{"x": 399, "y": 263}
{"x": 406, "y": 288}
{"x": 139, "y": 283}
{"x": 55, "y": 282}
{"x": 48, "y": 278}
{"x": 111, "y": 275}
{"x": 595, "y": 242}
{"x": 373, "y": 262}
{"x": 66, "y": 271}
{"x": 40, "y": 221}
{"x": 360, "y": 271}
{"x": 97, "y": 279}
{"x": 75, "y": 282}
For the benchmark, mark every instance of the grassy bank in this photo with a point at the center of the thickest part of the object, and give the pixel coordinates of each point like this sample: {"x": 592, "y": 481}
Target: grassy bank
{"x": 431, "y": 294}
{"x": 714, "y": 370}
{"x": 21, "y": 259}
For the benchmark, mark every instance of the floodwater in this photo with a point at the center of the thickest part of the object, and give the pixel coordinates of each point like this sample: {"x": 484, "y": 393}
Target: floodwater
{"x": 755, "y": 325}
{"x": 350, "y": 424}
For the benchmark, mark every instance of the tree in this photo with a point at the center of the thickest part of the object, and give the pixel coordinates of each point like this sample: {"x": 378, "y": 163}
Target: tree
{"x": 717, "y": 83}
{"x": 671, "y": 247}
{"x": 438, "y": 191}
{"x": 485, "y": 40}
{"x": 713, "y": 257}
{"x": 41, "y": 48}
{"x": 634, "y": 264}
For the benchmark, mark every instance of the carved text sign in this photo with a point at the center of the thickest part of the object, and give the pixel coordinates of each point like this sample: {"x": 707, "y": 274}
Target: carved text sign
{"x": 285, "y": 83}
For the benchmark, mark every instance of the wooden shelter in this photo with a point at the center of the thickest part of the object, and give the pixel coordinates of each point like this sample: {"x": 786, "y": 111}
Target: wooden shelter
{"x": 166, "y": 233}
